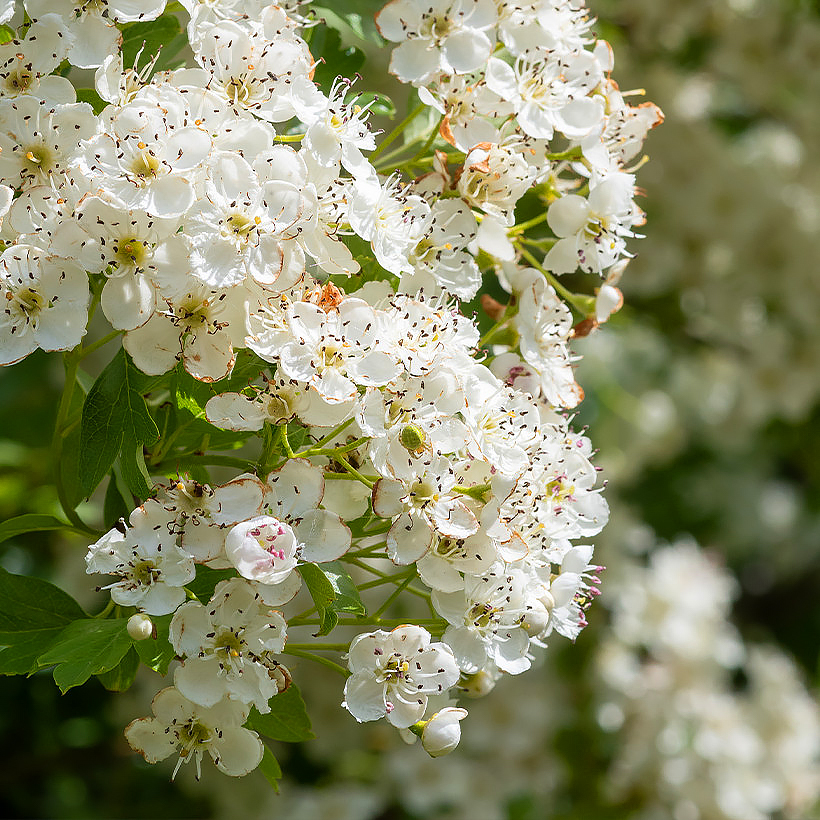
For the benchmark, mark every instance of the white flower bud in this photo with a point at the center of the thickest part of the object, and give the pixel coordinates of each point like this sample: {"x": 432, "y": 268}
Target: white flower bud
{"x": 477, "y": 685}
{"x": 140, "y": 627}
{"x": 442, "y": 732}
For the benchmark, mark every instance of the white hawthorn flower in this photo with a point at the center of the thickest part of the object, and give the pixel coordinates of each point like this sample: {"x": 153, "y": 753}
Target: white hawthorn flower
{"x": 133, "y": 249}
{"x": 255, "y": 72}
{"x": 94, "y": 35}
{"x": 421, "y": 504}
{"x": 556, "y": 497}
{"x": 228, "y": 646}
{"x": 26, "y": 64}
{"x": 442, "y": 254}
{"x": 494, "y": 178}
{"x": 202, "y": 515}
{"x": 394, "y": 672}
{"x": 43, "y": 303}
{"x": 550, "y": 94}
{"x": 443, "y": 36}
{"x": 145, "y": 555}
{"x": 486, "y": 620}
{"x": 391, "y": 218}
{"x": 337, "y": 132}
{"x": 193, "y": 323}
{"x": 38, "y": 138}
{"x": 262, "y": 549}
{"x": 441, "y": 567}
{"x": 592, "y": 231}
{"x": 179, "y": 725}
{"x": 149, "y": 156}
{"x": 334, "y": 352}
{"x": 241, "y": 227}
{"x": 505, "y": 426}
{"x": 295, "y": 492}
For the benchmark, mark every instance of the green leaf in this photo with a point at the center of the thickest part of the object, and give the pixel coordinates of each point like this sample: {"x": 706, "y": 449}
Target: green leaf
{"x": 153, "y": 34}
{"x": 271, "y": 769}
{"x": 122, "y": 675}
{"x": 33, "y": 614}
{"x": 323, "y": 594}
{"x": 347, "y": 595}
{"x": 84, "y": 648}
{"x": 90, "y": 96}
{"x": 116, "y": 417}
{"x": 206, "y": 580}
{"x": 287, "y": 720}
{"x": 354, "y": 19}
{"x": 7, "y": 34}
{"x": 115, "y": 505}
{"x": 333, "y": 591}
{"x": 382, "y": 105}
{"x": 31, "y": 522}
{"x": 337, "y": 60}
{"x": 157, "y": 653}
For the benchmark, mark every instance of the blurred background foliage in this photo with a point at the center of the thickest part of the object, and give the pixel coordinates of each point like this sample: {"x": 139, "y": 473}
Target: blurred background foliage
{"x": 703, "y": 397}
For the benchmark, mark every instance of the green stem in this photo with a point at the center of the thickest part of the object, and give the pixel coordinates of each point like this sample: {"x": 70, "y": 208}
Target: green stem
{"x": 571, "y": 297}
{"x": 411, "y": 574}
{"x": 430, "y": 140}
{"x": 205, "y": 460}
{"x": 283, "y": 433}
{"x": 317, "y": 659}
{"x": 100, "y": 342}
{"x": 327, "y": 647}
{"x": 329, "y": 437}
{"x": 396, "y": 132}
{"x": 288, "y": 137}
{"x": 530, "y": 223}
{"x": 339, "y": 459}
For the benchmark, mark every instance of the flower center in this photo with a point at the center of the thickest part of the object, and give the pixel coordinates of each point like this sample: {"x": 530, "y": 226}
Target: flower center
{"x": 145, "y": 167}
{"x": 130, "y": 253}
{"x": 145, "y": 572}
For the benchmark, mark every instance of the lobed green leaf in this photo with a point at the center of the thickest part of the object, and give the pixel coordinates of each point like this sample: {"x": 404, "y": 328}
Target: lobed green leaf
{"x": 84, "y": 648}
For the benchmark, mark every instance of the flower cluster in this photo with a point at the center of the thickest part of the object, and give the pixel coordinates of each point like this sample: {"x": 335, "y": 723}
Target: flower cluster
{"x": 231, "y": 204}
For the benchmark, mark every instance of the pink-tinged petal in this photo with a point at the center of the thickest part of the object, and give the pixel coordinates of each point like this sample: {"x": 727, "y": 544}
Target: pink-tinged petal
{"x": 387, "y": 497}
{"x": 409, "y": 538}
{"x": 296, "y": 488}
{"x": 323, "y": 535}
{"x": 364, "y": 697}
{"x": 237, "y": 751}
{"x": 415, "y": 61}
{"x": 466, "y": 51}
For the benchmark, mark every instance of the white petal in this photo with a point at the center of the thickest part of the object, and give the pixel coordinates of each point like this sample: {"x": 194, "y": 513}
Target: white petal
{"x": 364, "y": 697}
{"x": 324, "y": 536}
{"x": 296, "y": 488}
{"x": 409, "y": 538}
{"x": 237, "y": 751}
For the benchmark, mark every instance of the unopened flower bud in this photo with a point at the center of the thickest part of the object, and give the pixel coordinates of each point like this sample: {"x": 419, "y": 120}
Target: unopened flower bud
{"x": 442, "y": 732}
{"x": 412, "y": 438}
{"x": 140, "y": 627}
{"x": 536, "y": 619}
{"x": 477, "y": 685}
